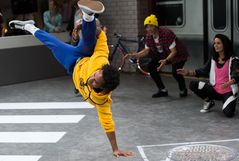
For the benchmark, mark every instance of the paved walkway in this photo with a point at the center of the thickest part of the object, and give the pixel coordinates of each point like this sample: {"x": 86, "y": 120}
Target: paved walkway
{"x": 44, "y": 121}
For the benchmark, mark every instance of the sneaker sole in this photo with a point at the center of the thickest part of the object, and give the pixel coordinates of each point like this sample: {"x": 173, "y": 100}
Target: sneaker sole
{"x": 92, "y": 6}
{"x": 19, "y": 23}
{"x": 204, "y": 111}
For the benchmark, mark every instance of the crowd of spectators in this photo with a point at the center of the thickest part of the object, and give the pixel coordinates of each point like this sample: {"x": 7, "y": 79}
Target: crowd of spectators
{"x": 51, "y": 15}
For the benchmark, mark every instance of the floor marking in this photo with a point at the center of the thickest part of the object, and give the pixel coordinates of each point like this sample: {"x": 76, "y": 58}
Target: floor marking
{"x": 19, "y": 119}
{"x": 143, "y": 155}
{"x": 46, "y": 105}
{"x": 141, "y": 151}
{"x": 30, "y": 137}
{"x": 20, "y": 157}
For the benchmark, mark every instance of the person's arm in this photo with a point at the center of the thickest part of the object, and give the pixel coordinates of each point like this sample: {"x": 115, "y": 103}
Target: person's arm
{"x": 234, "y": 74}
{"x": 141, "y": 54}
{"x": 228, "y": 84}
{"x": 116, "y": 151}
{"x": 186, "y": 72}
{"x": 205, "y": 70}
{"x": 172, "y": 54}
{"x": 75, "y": 36}
{"x": 107, "y": 123}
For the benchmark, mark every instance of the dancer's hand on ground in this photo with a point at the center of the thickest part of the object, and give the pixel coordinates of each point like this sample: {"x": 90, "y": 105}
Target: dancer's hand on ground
{"x": 119, "y": 153}
{"x": 182, "y": 71}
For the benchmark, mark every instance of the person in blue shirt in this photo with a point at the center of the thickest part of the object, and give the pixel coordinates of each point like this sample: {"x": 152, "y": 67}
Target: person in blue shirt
{"x": 52, "y": 18}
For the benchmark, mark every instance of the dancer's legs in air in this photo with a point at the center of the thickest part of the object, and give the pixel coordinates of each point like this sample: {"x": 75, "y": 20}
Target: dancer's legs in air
{"x": 66, "y": 54}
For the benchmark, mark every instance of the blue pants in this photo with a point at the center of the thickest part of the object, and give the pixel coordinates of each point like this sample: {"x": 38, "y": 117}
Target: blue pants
{"x": 66, "y": 54}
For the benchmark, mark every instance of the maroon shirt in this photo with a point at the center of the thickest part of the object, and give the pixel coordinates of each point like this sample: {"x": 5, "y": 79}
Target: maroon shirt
{"x": 166, "y": 38}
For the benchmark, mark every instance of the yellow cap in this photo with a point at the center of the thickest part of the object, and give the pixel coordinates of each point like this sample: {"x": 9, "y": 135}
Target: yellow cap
{"x": 151, "y": 20}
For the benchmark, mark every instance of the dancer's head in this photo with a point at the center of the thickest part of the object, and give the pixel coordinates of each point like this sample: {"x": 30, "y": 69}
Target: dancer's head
{"x": 107, "y": 79}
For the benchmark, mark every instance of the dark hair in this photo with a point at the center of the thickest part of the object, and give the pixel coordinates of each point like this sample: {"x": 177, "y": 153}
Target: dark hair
{"x": 227, "y": 45}
{"x": 55, "y": 3}
{"x": 111, "y": 77}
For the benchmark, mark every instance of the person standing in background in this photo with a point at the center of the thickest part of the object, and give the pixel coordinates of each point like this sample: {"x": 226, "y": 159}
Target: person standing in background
{"x": 52, "y": 18}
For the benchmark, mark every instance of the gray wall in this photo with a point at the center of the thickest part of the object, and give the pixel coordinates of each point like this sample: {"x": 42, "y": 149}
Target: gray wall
{"x": 28, "y": 64}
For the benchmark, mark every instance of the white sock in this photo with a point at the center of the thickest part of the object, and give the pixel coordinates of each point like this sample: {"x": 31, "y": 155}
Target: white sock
{"x": 88, "y": 18}
{"x": 31, "y": 28}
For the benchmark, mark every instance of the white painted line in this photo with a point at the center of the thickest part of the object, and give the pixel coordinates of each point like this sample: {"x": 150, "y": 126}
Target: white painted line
{"x": 30, "y": 137}
{"x": 185, "y": 143}
{"x": 20, "y": 157}
{"x": 141, "y": 151}
{"x": 46, "y": 105}
{"x": 39, "y": 119}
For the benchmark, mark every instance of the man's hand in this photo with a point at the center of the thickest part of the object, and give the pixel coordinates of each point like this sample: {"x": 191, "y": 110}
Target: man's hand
{"x": 118, "y": 153}
{"x": 162, "y": 64}
{"x": 183, "y": 72}
{"x": 130, "y": 56}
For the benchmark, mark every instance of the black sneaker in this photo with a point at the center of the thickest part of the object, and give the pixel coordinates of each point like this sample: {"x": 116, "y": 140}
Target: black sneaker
{"x": 207, "y": 106}
{"x": 160, "y": 94}
{"x": 183, "y": 93}
{"x": 91, "y": 7}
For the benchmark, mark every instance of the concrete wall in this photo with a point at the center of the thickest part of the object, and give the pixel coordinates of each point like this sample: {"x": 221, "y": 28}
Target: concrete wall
{"x": 24, "y": 64}
{"x": 24, "y": 58}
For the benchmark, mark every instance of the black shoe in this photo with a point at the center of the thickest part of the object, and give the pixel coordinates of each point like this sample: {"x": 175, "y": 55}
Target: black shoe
{"x": 183, "y": 93}
{"x": 207, "y": 106}
{"x": 160, "y": 94}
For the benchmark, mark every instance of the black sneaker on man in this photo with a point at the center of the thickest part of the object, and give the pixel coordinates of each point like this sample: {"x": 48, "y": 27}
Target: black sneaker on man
{"x": 160, "y": 93}
{"x": 207, "y": 106}
{"x": 91, "y": 7}
{"x": 16, "y": 24}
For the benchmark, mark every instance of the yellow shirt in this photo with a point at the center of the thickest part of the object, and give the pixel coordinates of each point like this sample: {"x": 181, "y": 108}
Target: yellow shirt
{"x": 85, "y": 68}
